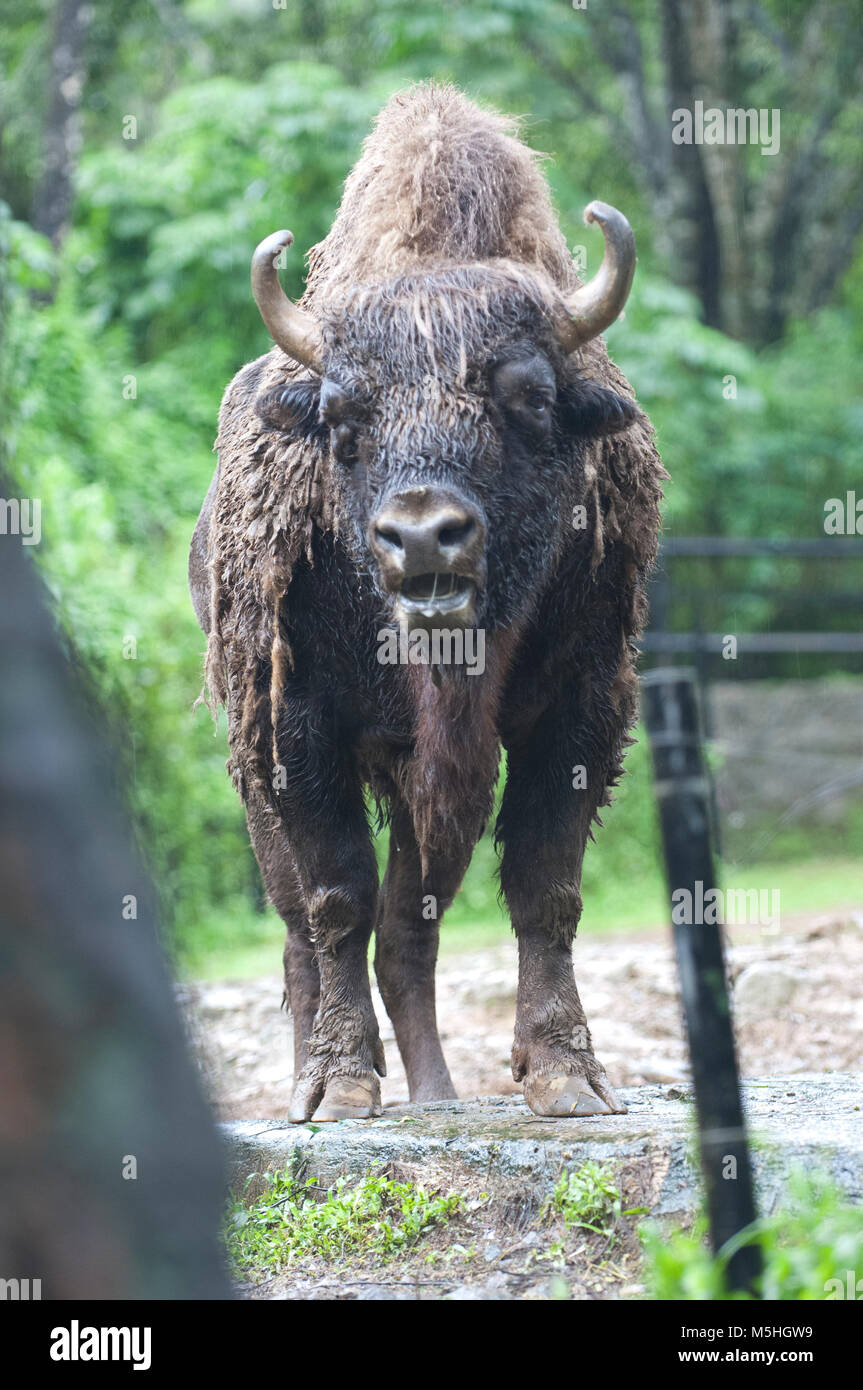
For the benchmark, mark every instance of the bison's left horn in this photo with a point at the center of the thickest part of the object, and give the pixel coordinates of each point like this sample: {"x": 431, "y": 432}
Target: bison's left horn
{"x": 598, "y": 303}
{"x": 291, "y": 328}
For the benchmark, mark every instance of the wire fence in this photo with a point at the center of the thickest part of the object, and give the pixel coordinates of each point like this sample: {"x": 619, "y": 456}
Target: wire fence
{"x": 782, "y": 702}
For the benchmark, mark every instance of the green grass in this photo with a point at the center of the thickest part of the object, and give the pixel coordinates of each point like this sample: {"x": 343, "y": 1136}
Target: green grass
{"x": 587, "y": 1198}
{"x": 476, "y": 920}
{"x": 806, "y": 1247}
{"x": 294, "y": 1219}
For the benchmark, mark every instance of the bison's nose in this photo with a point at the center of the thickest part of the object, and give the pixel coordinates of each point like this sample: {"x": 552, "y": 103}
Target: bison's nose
{"x": 426, "y": 532}
{"x": 429, "y": 545}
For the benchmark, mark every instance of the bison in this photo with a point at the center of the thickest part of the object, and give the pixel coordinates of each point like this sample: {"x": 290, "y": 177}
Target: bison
{"x": 437, "y": 448}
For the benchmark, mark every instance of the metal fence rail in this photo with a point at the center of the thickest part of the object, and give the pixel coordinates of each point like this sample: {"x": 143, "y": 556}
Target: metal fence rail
{"x": 666, "y": 592}
{"x": 754, "y": 643}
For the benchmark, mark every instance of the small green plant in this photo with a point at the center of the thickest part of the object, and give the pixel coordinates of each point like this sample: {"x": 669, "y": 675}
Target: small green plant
{"x": 806, "y": 1247}
{"x": 292, "y": 1219}
{"x": 588, "y": 1198}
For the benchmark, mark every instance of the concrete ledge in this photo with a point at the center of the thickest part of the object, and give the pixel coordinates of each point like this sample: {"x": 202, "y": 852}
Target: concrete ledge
{"x": 808, "y": 1121}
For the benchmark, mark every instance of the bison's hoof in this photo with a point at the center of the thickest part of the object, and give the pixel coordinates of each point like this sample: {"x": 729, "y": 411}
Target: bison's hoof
{"x": 568, "y": 1094}
{"x": 350, "y": 1098}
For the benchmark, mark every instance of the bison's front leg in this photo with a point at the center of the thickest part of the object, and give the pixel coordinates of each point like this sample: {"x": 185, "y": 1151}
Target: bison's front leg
{"x": 345, "y": 1053}
{"x": 543, "y": 825}
{"x": 553, "y": 1053}
{"x": 324, "y": 821}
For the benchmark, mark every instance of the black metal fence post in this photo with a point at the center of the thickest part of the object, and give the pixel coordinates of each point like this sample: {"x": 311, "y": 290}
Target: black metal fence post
{"x": 683, "y": 793}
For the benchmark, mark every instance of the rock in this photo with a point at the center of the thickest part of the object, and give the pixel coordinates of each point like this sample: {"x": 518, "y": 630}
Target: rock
{"x": 763, "y": 990}
{"x": 826, "y": 927}
{"x": 620, "y": 972}
{"x": 221, "y": 999}
{"x": 492, "y": 987}
{"x": 795, "y": 1121}
{"x": 472, "y": 1293}
{"x": 662, "y": 1069}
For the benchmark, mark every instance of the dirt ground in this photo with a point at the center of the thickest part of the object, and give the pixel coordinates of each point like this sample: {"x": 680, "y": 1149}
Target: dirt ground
{"x": 800, "y": 1010}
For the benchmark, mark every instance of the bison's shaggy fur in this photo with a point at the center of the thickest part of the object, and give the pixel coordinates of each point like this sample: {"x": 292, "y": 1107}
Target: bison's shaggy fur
{"x": 445, "y": 255}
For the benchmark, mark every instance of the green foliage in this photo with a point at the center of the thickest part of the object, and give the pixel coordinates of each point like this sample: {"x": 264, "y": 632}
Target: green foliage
{"x": 117, "y": 515}
{"x": 812, "y": 1241}
{"x": 588, "y": 1198}
{"x": 759, "y": 462}
{"x": 370, "y": 1216}
{"x": 165, "y": 230}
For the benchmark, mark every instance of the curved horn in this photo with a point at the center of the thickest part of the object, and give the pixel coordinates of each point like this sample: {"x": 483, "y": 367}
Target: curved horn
{"x": 598, "y": 303}
{"x": 292, "y": 329}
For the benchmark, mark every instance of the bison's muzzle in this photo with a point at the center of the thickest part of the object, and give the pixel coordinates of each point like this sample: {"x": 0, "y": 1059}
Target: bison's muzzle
{"x": 429, "y": 544}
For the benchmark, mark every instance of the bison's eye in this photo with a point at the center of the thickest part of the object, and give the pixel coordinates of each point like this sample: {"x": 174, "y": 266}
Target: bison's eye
{"x": 341, "y": 413}
{"x": 343, "y": 443}
{"x": 336, "y": 406}
{"x": 539, "y": 401}
{"x": 524, "y": 388}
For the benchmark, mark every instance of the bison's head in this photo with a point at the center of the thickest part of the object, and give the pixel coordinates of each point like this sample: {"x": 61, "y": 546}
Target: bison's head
{"x": 456, "y": 420}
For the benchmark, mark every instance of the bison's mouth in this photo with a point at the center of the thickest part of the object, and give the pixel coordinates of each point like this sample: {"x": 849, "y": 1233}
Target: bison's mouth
{"x": 425, "y": 598}
{"x": 439, "y": 592}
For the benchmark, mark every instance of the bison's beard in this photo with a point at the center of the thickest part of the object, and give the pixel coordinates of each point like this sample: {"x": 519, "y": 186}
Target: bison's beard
{"x": 449, "y": 781}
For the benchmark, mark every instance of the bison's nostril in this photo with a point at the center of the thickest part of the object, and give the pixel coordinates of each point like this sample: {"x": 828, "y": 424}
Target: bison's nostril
{"x": 456, "y": 533}
{"x": 389, "y": 536}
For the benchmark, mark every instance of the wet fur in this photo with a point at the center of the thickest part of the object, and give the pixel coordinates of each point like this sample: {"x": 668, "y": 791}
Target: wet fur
{"x": 445, "y": 259}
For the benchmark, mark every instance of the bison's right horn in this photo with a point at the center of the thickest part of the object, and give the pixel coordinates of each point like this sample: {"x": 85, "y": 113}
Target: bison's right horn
{"x": 598, "y": 303}
{"x": 291, "y": 328}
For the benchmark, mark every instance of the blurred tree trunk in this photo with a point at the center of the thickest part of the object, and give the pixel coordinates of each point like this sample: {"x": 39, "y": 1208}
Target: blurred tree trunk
{"x": 52, "y": 198}
{"x": 109, "y": 1163}
{"x": 313, "y": 20}
{"x": 695, "y": 248}
{"x": 758, "y": 238}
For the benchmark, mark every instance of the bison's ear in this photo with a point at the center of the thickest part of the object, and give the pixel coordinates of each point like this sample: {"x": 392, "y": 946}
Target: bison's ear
{"x": 293, "y": 407}
{"x": 590, "y": 410}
